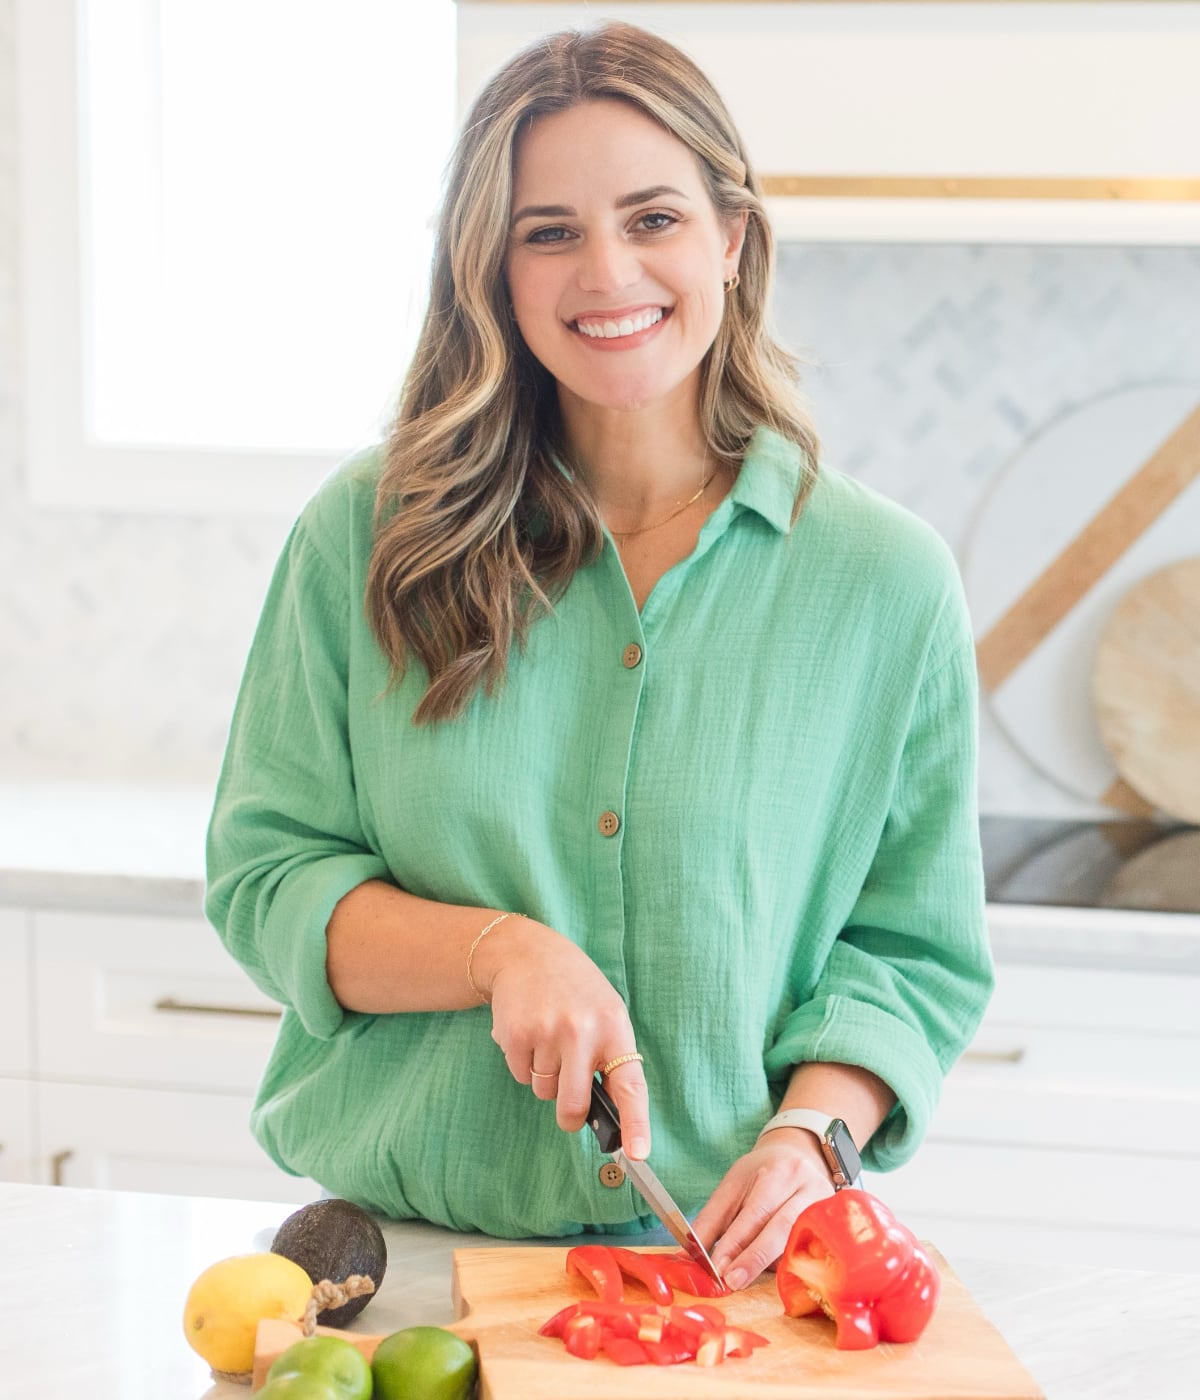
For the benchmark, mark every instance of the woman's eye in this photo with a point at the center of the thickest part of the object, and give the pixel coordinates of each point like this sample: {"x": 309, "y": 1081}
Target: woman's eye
{"x": 554, "y": 234}
{"x": 656, "y": 220}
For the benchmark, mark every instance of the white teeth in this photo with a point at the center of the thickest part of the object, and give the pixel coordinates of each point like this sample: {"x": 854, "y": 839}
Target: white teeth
{"x": 628, "y": 325}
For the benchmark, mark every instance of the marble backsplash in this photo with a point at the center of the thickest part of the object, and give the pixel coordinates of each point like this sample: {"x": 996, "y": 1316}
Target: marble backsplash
{"x": 122, "y": 637}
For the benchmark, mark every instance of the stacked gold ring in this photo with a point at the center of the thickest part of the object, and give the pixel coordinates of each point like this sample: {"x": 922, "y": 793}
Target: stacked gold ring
{"x": 620, "y": 1060}
{"x": 537, "y": 1074}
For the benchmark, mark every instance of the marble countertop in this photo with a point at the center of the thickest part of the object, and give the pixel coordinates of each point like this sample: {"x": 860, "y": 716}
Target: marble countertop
{"x": 140, "y": 849}
{"x": 92, "y": 1287}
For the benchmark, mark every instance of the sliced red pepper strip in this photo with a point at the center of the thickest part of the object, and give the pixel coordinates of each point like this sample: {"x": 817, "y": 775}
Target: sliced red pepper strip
{"x": 650, "y": 1327}
{"x": 618, "y": 1318}
{"x": 625, "y": 1351}
{"x": 582, "y": 1336}
{"x": 553, "y": 1327}
{"x": 645, "y": 1269}
{"x": 697, "y": 1318}
{"x": 711, "y": 1351}
{"x": 740, "y": 1341}
{"x": 689, "y": 1277}
{"x": 595, "y": 1264}
{"x": 669, "y": 1353}
{"x": 850, "y": 1256}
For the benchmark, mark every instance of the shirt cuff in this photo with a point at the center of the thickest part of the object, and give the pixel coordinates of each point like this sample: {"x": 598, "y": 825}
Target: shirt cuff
{"x": 837, "y": 1030}
{"x": 294, "y": 935}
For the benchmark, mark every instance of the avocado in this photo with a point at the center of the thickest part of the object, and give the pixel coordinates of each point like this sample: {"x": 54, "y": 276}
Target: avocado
{"x": 331, "y": 1240}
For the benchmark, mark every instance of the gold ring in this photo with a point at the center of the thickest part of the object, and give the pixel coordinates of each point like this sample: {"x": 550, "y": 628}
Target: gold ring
{"x": 620, "y": 1060}
{"x": 537, "y": 1075}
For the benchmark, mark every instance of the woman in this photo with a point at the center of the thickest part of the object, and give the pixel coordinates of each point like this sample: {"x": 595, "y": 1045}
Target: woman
{"x": 589, "y": 726}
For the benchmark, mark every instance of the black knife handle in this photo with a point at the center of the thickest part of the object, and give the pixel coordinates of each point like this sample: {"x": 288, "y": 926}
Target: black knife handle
{"x": 603, "y": 1119}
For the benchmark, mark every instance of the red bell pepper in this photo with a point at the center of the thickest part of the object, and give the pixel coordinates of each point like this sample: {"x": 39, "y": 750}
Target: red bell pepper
{"x": 849, "y": 1256}
{"x": 596, "y": 1264}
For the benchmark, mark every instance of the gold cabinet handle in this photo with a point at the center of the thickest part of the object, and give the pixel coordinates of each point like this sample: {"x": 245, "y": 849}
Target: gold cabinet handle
{"x": 56, "y": 1166}
{"x": 210, "y": 1009}
{"x": 996, "y": 1057}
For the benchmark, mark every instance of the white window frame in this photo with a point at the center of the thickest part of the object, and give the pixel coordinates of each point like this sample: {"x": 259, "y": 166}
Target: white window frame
{"x": 65, "y": 466}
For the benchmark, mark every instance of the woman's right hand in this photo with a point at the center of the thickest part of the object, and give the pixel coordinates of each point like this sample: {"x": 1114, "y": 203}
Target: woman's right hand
{"x": 558, "y": 1019}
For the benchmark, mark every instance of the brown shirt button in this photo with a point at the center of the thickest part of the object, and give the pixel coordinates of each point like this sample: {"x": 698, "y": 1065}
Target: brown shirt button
{"x": 609, "y": 823}
{"x": 631, "y": 655}
{"x": 611, "y": 1175}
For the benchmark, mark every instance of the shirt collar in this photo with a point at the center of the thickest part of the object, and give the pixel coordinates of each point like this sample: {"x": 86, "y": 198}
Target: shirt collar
{"x": 769, "y": 479}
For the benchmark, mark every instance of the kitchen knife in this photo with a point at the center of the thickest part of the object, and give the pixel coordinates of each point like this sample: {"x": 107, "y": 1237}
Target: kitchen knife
{"x": 605, "y": 1122}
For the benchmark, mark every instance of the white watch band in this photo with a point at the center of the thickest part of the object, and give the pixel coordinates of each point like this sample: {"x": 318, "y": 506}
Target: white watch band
{"x": 811, "y": 1118}
{"x": 837, "y": 1146}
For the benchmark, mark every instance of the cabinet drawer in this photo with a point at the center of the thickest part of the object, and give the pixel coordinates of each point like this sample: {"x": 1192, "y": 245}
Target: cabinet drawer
{"x": 1059, "y": 1112}
{"x": 15, "y": 1031}
{"x": 187, "y": 1144}
{"x": 1029, "y": 994}
{"x": 1114, "y": 1205}
{"x": 141, "y": 1000}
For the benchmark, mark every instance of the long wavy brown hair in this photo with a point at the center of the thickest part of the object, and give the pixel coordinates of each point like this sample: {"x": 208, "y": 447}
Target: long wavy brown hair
{"x": 478, "y": 528}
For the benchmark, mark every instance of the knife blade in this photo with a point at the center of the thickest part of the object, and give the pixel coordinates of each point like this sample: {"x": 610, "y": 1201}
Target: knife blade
{"x": 605, "y": 1122}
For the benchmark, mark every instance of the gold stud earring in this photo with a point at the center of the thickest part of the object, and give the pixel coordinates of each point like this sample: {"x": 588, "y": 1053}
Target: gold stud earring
{"x": 731, "y": 283}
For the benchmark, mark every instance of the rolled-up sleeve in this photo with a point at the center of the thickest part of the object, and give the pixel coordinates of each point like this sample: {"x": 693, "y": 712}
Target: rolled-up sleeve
{"x": 285, "y": 842}
{"x": 909, "y": 976}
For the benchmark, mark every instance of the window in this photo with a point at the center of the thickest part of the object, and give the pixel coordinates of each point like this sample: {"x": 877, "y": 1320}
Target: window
{"x": 226, "y": 222}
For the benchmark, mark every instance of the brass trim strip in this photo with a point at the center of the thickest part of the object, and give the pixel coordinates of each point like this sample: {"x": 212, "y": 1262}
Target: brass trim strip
{"x": 1101, "y": 187}
{"x": 1125, "y": 516}
{"x": 1125, "y": 798}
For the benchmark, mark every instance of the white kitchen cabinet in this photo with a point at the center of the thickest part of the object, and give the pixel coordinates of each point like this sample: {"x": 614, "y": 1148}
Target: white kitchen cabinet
{"x": 1071, "y": 1125}
{"x": 132, "y": 1046}
{"x": 146, "y": 1000}
{"x": 1098, "y": 98}
{"x": 18, "y": 1161}
{"x": 15, "y": 1029}
{"x": 158, "y": 1140}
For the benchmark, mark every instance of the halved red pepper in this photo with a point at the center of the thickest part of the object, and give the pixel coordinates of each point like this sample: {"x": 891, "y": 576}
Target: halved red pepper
{"x": 849, "y": 1256}
{"x": 596, "y": 1264}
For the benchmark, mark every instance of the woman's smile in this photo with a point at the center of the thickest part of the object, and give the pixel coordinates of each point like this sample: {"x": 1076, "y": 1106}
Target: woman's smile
{"x": 620, "y": 330}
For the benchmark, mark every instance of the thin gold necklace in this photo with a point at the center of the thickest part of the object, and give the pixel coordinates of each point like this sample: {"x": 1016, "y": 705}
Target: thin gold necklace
{"x": 622, "y": 535}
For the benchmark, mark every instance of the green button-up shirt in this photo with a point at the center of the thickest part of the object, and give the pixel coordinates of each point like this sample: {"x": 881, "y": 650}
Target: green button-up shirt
{"x": 793, "y": 873}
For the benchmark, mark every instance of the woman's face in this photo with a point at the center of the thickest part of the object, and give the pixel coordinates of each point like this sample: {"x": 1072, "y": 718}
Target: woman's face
{"x": 616, "y": 255}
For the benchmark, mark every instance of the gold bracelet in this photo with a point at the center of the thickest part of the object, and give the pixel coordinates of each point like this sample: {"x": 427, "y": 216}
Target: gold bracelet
{"x": 499, "y": 919}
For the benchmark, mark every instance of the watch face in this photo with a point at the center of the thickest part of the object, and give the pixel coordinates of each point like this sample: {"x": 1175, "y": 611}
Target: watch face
{"x": 844, "y": 1162}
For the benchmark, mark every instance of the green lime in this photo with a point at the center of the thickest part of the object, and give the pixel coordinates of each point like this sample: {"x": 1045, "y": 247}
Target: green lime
{"x": 332, "y": 1361}
{"x": 297, "y": 1388}
{"x": 423, "y": 1363}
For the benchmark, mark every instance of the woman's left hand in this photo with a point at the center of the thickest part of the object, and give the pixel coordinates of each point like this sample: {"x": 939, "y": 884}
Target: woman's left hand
{"x": 751, "y": 1213}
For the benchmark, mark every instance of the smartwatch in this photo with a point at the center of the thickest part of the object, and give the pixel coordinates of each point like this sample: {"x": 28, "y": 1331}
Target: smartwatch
{"x": 837, "y": 1146}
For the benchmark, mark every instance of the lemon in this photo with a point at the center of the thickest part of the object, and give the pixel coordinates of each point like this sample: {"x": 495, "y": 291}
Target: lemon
{"x": 225, "y": 1303}
{"x": 425, "y": 1362}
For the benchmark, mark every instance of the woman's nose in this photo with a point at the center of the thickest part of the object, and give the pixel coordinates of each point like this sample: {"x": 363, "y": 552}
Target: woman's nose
{"x": 608, "y": 265}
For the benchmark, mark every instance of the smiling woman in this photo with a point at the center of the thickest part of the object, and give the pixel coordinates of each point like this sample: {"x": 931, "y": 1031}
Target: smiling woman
{"x": 592, "y": 638}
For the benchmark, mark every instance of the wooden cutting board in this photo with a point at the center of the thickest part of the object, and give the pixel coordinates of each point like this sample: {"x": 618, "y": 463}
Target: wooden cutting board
{"x": 502, "y": 1295}
{"x": 1146, "y": 684}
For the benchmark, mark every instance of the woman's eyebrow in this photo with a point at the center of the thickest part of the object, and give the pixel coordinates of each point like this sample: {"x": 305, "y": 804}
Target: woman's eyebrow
{"x": 626, "y": 201}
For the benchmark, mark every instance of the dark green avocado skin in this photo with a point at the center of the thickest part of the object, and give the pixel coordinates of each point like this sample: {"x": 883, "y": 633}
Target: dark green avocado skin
{"x": 332, "y": 1240}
